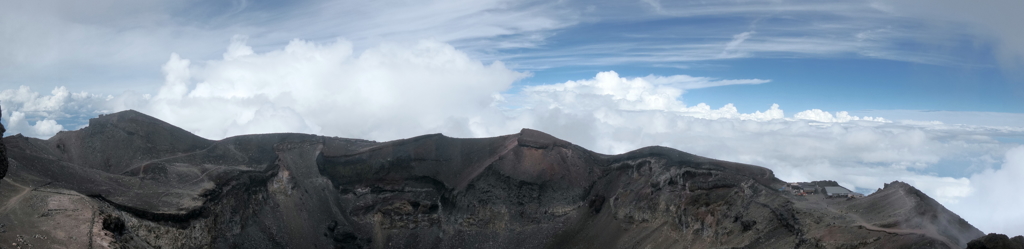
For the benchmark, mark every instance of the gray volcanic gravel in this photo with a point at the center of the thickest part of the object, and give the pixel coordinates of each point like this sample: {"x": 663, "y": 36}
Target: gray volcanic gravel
{"x": 129, "y": 180}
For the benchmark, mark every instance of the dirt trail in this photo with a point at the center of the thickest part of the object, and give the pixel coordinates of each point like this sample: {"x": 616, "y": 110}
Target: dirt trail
{"x": 929, "y": 233}
{"x": 866, "y": 225}
{"x": 16, "y": 198}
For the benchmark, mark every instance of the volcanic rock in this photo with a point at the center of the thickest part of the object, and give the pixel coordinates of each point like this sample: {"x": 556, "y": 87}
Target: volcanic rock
{"x": 997, "y": 241}
{"x": 132, "y": 181}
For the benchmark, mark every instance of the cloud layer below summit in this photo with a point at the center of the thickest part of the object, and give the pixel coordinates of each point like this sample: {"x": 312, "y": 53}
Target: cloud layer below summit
{"x": 397, "y": 90}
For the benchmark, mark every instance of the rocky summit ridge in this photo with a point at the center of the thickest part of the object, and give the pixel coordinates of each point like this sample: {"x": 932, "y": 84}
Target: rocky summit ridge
{"x": 129, "y": 180}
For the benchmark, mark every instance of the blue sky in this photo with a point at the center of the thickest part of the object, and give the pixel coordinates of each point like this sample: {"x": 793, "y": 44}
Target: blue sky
{"x": 947, "y": 70}
{"x": 832, "y": 56}
{"x": 861, "y": 92}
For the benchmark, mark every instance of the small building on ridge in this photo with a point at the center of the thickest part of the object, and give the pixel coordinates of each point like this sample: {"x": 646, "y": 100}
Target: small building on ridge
{"x": 838, "y": 191}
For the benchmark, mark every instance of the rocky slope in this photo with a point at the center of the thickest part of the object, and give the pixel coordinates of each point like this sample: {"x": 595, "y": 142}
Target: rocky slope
{"x": 131, "y": 181}
{"x": 997, "y": 241}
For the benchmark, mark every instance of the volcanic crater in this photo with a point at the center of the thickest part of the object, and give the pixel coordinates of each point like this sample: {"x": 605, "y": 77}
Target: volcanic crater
{"x": 129, "y": 180}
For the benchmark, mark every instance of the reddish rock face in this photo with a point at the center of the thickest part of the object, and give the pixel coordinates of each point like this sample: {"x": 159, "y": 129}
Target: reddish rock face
{"x": 130, "y": 180}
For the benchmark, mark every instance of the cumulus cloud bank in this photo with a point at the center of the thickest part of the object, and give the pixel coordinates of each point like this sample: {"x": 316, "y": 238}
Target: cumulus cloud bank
{"x": 28, "y": 112}
{"x": 398, "y": 90}
{"x": 992, "y": 197}
{"x": 386, "y": 92}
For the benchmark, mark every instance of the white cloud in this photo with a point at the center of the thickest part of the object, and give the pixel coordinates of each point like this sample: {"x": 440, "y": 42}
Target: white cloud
{"x": 42, "y": 128}
{"x": 826, "y": 117}
{"x": 952, "y": 117}
{"x": 387, "y": 92}
{"x": 992, "y": 22}
{"x": 647, "y": 93}
{"x": 51, "y": 40}
{"x": 24, "y": 105}
{"x": 686, "y": 82}
{"x": 111, "y": 45}
{"x": 994, "y": 204}
{"x": 926, "y": 32}
{"x": 518, "y": 23}
{"x": 730, "y": 48}
{"x": 32, "y": 102}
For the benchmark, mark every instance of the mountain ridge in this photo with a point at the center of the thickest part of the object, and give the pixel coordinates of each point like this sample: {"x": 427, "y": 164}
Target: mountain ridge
{"x": 131, "y": 180}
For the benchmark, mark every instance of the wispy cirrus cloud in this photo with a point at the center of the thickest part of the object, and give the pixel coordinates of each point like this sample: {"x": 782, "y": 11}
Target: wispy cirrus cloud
{"x": 50, "y": 41}
{"x": 54, "y": 40}
{"x": 693, "y": 31}
{"x": 992, "y": 22}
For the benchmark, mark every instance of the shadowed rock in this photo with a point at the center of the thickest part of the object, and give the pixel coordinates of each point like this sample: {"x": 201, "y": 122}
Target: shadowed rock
{"x": 130, "y": 180}
{"x": 997, "y": 241}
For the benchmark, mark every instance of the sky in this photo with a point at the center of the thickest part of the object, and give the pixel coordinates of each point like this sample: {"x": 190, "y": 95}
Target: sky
{"x": 862, "y": 92}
